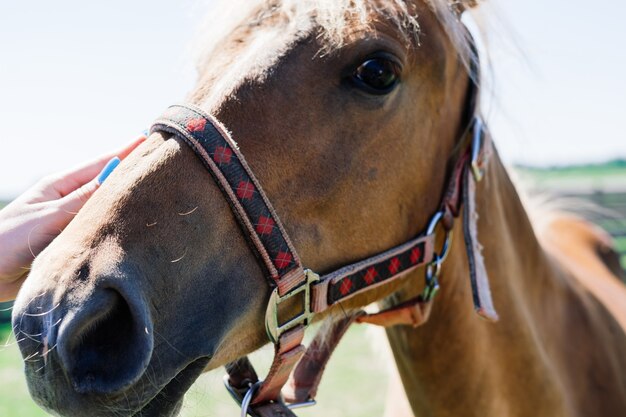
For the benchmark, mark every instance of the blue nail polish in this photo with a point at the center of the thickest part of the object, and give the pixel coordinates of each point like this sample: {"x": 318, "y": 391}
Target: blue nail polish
{"x": 106, "y": 171}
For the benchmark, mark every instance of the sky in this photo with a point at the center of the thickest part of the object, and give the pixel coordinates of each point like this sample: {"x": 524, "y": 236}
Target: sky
{"x": 78, "y": 79}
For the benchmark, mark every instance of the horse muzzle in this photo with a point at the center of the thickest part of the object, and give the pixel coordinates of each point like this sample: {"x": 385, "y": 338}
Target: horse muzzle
{"x": 93, "y": 342}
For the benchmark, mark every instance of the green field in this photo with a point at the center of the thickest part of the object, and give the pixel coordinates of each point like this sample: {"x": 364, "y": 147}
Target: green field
{"x": 603, "y": 184}
{"x": 355, "y": 372}
{"x": 621, "y": 244}
{"x": 621, "y": 247}
{"x": 577, "y": 178}
{"x": 611, "y": 168}
{"x": 14, "y": 398}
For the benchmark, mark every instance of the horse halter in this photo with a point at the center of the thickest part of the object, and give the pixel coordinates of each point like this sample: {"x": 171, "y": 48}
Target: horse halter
{"x": 290, "y": 280}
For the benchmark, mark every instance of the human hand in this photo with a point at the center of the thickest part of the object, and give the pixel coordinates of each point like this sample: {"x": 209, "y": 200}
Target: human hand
{"x": 34, "y": 219}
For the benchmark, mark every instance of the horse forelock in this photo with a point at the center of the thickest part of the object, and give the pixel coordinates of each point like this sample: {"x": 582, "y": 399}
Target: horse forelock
{"x": 332, "y": 20}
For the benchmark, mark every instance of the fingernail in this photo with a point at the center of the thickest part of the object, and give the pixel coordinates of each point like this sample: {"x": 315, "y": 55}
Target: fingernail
{"x": 106, "y": 171}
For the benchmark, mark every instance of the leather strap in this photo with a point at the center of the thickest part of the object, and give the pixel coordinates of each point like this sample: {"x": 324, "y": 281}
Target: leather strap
{"x": 481, "y": 292}
{"x": 372, "y": 272}
{"x": 414, "y": 312}
{"x": 221, "y": 156}
{"x": 302, "y": 386}
{"x": 242, "y": 376}
{"x": 287, "y": 353}
{"x": 306, "y": 377}
{"x": 273, "y": 409}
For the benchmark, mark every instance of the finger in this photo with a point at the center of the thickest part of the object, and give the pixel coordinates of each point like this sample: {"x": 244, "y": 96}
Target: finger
{"x": 8, "y": 290}
{"x": 88, "y": 171}
{"x": 108, "y": 168}
{"x": 72, "y": 180}
{"x": 74, "y": 201}
{"x": 71, "y": 204}
{"x": 126, "y": 150}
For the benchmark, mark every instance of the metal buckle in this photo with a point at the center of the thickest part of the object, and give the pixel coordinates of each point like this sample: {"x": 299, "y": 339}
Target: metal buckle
{"x": 245, "y": 401}
{"x": 433, "y": 269}
{"x": 272, "y": 326}
{"x": 432, "y": 279}
{"x": 445, "y": 249}
{"x": 308, "y": 403}
{"x": 478, "y": 170}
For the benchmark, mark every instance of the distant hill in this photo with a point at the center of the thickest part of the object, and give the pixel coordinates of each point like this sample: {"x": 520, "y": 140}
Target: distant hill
{"x": 609, "y": 167}
{"x": 584, "y": 178}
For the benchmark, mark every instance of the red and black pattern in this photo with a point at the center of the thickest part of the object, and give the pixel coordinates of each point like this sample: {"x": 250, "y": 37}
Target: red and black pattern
{"x": 193, "y": 125}
{"x": 376, "y": 273}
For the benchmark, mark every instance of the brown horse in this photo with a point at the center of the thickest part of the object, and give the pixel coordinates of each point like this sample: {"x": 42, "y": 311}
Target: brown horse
{"x": 153, "y": 281}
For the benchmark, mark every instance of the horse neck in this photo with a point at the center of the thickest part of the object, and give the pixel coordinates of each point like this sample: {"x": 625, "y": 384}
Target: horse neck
{"x": 459, "y": 364}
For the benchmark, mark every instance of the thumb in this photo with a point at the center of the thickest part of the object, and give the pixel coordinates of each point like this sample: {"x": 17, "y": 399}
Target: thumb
{"x": 75, "y": 200}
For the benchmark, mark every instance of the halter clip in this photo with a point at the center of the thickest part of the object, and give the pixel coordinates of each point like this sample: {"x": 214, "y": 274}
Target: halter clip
{"x": 477, "y": 163}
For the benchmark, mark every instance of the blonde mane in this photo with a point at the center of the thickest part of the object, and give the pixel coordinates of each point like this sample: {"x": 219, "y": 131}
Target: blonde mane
{"x": 332, "y": 20}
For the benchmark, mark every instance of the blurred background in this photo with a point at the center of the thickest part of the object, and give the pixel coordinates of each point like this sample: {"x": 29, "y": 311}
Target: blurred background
{"x": 78, "y": 79}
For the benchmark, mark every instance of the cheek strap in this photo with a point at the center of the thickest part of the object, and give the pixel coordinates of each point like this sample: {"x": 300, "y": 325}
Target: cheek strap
{"x": 481, "y": 291}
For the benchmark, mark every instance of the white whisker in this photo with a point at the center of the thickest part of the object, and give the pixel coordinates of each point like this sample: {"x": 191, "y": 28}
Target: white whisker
{"x": 178, "y": 259}
{"x": 188, "y": 212}
{"x": 42, "y": 314}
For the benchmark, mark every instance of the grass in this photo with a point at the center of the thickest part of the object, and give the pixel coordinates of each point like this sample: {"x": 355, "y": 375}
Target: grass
{"x": 5, "y": 315}
{"x": 582, "y": 178}
{"x": 621, "y": 248}
{"x": 596, "y": 172}
{"x": 604, "y": 184}
{"x": 611, "y": 168}
{"x": 354, "y": 385}
{"x": 14, "y": 398}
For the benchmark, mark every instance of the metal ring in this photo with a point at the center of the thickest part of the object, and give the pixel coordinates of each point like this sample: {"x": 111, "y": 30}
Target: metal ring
{"x": 307, "y": 403}
{"x": 247, "y": 399}
{"x": 432, "y": 226}
{"x": 434, "y": 221}
{"x": 476, "y": 164}
{"x": 433, "y": 269}
{"x": 432, "y": 284}
{"x": 445, "y": 249}
{"x": 231, "y": 390}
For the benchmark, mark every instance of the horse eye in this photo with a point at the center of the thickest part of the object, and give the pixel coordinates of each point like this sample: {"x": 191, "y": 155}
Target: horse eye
{"x": 377, "y": 75}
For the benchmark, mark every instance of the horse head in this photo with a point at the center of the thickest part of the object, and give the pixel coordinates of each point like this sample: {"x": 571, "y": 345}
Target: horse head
{"x": 348, "y": 114}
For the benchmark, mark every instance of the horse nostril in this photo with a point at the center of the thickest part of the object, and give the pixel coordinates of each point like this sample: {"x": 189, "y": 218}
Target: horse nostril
{"x": 105, "y": 347}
